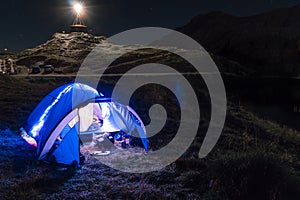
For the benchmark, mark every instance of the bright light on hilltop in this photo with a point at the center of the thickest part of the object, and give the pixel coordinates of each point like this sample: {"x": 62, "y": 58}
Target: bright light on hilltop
{"x": 78, "y": 24}
{"x": 78, "y": 8}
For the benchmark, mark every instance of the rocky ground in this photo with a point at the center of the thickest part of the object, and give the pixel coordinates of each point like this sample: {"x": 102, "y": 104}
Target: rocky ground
{"x": 67, "y": 51}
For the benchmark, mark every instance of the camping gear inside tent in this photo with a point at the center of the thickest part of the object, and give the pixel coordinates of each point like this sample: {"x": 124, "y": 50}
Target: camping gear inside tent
{"x": 72, "y": 110}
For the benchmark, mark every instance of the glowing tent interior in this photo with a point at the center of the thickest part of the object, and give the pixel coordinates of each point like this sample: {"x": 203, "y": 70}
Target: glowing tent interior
{"x": 57, "y": 123}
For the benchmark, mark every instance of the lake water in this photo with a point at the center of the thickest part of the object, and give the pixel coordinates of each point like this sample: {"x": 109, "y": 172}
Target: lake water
{"x": 269, "y": 97}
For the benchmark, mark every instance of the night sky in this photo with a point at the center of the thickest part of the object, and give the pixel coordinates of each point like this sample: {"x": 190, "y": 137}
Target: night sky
{"x": 27, "y": 23}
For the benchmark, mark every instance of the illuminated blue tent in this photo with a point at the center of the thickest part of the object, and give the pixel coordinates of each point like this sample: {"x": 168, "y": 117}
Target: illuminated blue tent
{"x": 56, "y": 122}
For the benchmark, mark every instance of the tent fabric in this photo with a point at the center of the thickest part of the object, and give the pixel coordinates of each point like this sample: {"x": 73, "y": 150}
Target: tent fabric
{"x": 116, "y": 117}
{"x": 140, "y": 127}
{"x": 86, "y": 115}
{"x": 56, "y": 105}
{"x": 53, "y": 108}
{"x": 59, "y": 132}
{"x": 56, "y": 122}
{"x": 121, "y": 117}
{"x": 89, "y": 114}
{"x": 68, "y": 151}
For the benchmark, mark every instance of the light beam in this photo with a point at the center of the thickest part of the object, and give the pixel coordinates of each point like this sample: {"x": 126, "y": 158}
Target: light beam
{"x": 78, "y": 8}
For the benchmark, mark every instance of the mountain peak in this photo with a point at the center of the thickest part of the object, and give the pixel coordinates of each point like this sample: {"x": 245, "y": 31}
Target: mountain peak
{"x": 268, "y": 42}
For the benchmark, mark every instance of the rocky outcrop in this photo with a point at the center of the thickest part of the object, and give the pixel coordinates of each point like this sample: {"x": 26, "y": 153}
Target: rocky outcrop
{"x": 67, "y": 51}
{"x": 62, "y": 50}
{"x": 265, "y": 42}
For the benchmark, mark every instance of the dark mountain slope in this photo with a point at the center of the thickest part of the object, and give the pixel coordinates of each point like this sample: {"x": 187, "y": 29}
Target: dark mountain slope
{"x": 267, "y": 42}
